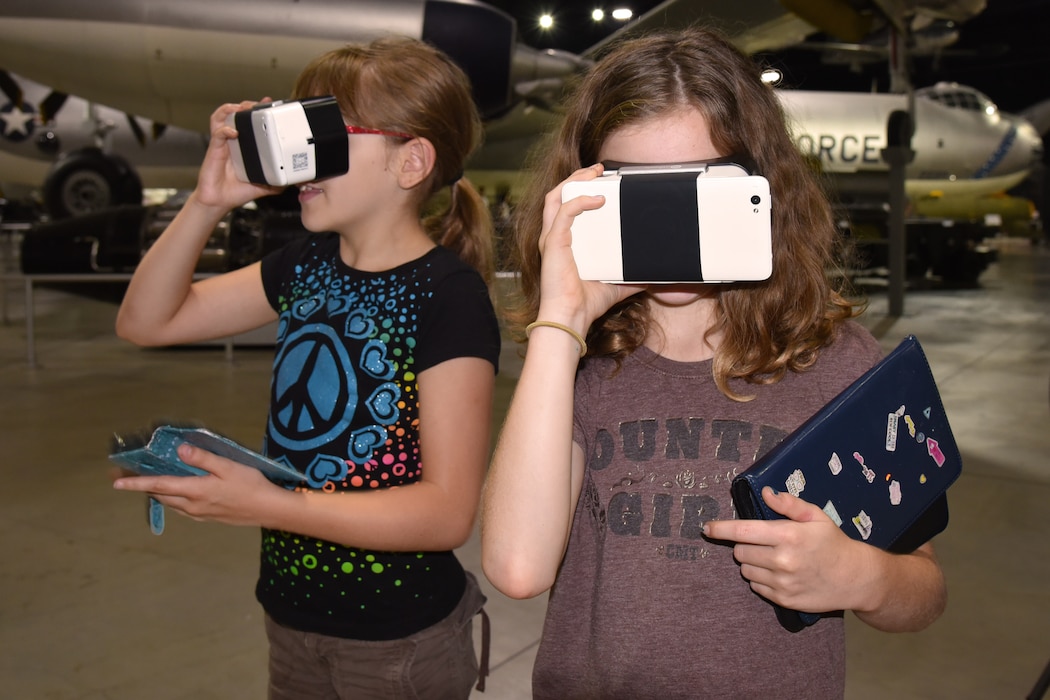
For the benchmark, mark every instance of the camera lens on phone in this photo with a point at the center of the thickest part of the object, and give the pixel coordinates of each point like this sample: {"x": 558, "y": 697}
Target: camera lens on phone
{"x": 755, "y": 199}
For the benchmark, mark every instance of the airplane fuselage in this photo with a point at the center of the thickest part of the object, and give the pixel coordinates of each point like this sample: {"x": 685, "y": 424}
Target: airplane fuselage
{"x": 959, "y": 150}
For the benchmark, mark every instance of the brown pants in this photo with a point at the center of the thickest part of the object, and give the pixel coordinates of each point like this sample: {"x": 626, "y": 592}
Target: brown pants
{"x": 435, "y": 663}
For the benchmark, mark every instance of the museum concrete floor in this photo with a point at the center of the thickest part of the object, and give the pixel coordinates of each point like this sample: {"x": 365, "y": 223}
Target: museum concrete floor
{"x": 92, "y": 606}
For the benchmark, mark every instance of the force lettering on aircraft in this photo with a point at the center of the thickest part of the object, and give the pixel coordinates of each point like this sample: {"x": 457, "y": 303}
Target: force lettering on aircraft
{"x": 846, "y": 149}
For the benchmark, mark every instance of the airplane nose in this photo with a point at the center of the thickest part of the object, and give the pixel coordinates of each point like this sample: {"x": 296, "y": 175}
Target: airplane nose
{"x": 1020, "y": 150}
{"x": 1029, "y": 141}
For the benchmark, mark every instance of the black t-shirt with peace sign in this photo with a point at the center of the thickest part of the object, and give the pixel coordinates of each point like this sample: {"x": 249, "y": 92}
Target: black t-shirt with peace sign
{"x": 344, "y": 412}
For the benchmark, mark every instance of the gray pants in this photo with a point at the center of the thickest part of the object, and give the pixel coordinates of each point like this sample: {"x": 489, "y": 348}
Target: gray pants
{"x": 435, "y": 663}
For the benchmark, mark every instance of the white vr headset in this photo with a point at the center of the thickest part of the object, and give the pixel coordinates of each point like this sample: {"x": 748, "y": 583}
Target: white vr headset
{"x": 285, "y": 143}
{"x": 678, "y": 222}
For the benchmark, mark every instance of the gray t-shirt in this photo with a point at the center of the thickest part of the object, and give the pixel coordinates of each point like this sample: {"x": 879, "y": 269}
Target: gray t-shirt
{"x": 644, "y": 606}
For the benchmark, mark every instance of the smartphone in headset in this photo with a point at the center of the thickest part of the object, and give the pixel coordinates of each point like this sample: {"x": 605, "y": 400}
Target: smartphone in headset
{"x": 289, "y": 142}
{"x": 674, "y": 223}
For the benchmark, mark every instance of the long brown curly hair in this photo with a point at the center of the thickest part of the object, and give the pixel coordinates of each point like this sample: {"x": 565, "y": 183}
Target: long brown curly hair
{"x": 768, "y": 327}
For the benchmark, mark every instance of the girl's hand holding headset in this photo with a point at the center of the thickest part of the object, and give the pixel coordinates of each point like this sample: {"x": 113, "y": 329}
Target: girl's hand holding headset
{"x": 217, "y": 182}
{"x": 564, "y": 297}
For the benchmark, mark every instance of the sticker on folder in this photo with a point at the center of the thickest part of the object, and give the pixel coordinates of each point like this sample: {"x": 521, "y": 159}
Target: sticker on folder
{"x": 868, "y": 473}
{"x": 934, "y": 448}
{"x": 891, "y": 429}
{"x": 796, "y": 482}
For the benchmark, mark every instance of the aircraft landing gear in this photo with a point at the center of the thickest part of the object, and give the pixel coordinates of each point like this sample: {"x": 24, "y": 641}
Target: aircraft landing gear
{"x": 86, "y": 180}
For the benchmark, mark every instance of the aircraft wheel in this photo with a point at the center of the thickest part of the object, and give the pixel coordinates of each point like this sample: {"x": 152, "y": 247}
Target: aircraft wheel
{"x": 88, "y": 180}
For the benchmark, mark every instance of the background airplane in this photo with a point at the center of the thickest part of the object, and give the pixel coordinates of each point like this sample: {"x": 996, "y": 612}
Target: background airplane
{"x": 172, "y": 63}
{"x": 87, "y": 155}
{"x": 964, "y": 146}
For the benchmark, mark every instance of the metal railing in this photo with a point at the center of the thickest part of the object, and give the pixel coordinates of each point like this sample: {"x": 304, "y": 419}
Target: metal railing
{"x": 30, "y": 280}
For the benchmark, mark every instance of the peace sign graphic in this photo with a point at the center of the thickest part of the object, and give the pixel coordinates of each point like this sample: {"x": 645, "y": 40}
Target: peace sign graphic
{"x": 314, "y": 389}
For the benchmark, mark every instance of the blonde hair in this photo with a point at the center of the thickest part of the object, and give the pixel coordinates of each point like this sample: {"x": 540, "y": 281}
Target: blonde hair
{"x": 405, "y": 85}
{"x": 768, "y": 328}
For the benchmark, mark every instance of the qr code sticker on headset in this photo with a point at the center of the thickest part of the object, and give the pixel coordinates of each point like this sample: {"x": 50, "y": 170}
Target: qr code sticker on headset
{"x": 300, "y": 161}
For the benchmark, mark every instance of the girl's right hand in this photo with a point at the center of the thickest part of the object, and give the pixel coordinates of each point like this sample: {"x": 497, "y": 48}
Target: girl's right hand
{"x": 217, "y": 182}
{"x": 564, "y": 297}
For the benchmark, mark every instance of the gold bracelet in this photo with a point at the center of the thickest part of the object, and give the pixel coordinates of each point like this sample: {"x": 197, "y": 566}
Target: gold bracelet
{"x": 561, "y": 327}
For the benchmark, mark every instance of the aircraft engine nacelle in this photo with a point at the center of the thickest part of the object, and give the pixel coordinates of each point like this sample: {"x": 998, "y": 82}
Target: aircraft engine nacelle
{"x": 481, "y": 40}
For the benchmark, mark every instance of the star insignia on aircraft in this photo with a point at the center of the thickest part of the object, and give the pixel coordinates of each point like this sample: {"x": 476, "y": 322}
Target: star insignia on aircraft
{"x": 16, "y": 123}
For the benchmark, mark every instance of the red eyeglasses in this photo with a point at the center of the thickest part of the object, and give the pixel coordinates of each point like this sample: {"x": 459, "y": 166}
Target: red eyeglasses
{"x": 378, "y": 132}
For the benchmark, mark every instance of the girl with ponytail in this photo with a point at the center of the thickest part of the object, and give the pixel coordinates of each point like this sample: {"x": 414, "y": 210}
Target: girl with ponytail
{"x": 381, "y": 393}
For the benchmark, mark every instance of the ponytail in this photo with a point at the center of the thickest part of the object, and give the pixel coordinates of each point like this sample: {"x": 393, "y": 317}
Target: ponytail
{"x": 466, "y": 228}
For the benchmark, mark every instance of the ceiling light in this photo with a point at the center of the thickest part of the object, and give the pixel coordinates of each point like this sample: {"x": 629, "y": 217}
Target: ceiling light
{"x": 623, "y": 14}
{"x": 598, "y": 15}
{"x": 546, "y": 21}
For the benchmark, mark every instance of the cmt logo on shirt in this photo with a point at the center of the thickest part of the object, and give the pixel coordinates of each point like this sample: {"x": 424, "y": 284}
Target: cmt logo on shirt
{"x": 670, "y": 502}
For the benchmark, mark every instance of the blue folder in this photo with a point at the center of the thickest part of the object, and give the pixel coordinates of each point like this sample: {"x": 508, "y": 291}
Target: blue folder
{"x": 878, "y": 459}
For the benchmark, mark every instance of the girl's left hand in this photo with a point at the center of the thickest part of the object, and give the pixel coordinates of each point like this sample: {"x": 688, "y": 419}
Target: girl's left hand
{"x": 231, "y": 493}
{"x": 804, "y": 563}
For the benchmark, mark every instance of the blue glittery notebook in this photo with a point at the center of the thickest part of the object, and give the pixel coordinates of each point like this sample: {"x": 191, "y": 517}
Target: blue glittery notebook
{"x": 878, "y": 459}
{"x": 158, "y": 455}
